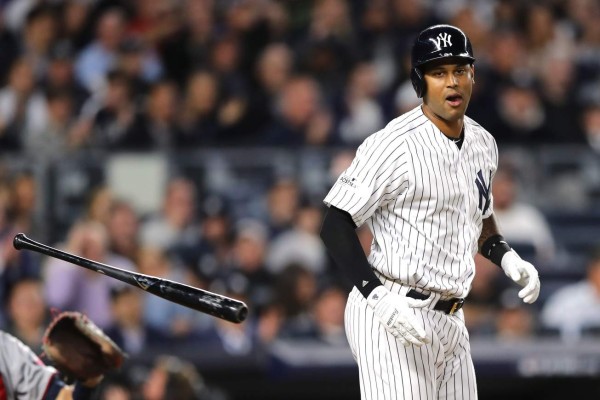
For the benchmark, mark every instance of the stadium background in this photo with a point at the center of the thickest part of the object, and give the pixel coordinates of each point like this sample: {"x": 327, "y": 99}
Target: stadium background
{"x": 195, "y": 139}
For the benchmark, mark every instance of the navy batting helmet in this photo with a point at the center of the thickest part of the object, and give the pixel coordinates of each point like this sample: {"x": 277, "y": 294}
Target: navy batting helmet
{"x": 435, "y": 43}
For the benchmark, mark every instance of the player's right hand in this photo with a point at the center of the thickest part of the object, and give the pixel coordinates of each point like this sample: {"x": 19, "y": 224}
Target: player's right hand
{"x": 395, "y": 315}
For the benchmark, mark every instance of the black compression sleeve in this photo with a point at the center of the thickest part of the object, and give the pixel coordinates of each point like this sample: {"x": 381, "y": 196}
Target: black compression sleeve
{"x": 338, "y": 234}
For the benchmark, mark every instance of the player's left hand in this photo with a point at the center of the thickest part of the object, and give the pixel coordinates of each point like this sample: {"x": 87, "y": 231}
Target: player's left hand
{"x": 524, "y": 274}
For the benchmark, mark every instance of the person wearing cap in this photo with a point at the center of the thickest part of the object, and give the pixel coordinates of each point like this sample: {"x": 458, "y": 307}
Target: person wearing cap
{"x": 422, "y": 185}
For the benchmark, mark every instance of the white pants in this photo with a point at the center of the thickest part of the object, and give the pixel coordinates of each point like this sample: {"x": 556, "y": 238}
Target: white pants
{"x": 440, "y": 370}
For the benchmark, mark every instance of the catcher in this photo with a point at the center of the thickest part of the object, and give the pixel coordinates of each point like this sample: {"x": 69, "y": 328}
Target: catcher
{"x": 81, "y": 354}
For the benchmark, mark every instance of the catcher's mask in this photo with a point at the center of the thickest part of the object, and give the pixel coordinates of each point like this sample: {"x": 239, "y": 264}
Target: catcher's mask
{"x": 435, "y": 43}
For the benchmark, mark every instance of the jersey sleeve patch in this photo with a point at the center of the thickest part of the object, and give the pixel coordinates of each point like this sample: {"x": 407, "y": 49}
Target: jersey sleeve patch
{"x": 354, "y": 186}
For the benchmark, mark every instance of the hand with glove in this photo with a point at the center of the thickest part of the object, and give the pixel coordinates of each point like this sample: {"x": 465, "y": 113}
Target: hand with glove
{"x": 523, "y": 273}
{"x": 79, "y": 349}
{"x": 394, "y": 313}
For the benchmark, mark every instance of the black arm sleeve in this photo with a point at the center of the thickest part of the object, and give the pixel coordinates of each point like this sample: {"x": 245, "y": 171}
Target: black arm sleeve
{"x": 338, "y": 234}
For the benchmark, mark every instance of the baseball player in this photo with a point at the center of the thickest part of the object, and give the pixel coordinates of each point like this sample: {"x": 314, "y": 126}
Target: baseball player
{"x": 422, "y": 185}
{"x": 23, "y": 375}
{"x": 79, "y": 350}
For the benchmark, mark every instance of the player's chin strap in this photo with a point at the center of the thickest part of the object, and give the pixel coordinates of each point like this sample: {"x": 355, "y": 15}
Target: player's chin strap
{"x": 494, "y": 248}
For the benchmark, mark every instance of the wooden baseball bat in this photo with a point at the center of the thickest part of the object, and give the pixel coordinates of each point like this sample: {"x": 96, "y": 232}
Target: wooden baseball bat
{"x": 201, "y": 300}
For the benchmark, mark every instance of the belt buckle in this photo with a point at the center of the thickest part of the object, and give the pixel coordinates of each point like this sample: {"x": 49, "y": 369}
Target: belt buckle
{"x": 456, "y": 306}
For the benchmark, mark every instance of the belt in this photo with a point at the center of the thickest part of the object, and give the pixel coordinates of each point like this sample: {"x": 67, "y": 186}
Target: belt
{"x": 449, "y": 306}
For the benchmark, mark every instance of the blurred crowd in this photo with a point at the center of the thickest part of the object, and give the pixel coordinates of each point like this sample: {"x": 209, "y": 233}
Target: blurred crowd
{"x": 81, "y": 77}
{"x": 136, "y": 75}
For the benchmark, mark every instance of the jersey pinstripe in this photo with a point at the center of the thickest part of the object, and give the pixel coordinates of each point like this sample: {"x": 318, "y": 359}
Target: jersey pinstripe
{"x": 442, "y": 370}
{"x": 423, "y": 199}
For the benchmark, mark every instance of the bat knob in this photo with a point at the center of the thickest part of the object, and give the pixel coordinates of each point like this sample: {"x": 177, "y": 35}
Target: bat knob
{"x": 19, "y": 241}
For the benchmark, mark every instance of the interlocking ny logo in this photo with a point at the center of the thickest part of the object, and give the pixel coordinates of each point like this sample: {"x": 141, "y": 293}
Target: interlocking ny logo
{"x": 442, "y": 40}
{"x": 484, "y": 191}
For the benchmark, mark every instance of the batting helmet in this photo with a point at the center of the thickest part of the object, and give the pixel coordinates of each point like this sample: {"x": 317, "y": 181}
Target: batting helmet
{"x": 435, "y": 43}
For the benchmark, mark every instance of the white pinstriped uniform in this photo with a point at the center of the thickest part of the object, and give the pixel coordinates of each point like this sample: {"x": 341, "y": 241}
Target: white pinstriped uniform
{"x": 423, "y": 199}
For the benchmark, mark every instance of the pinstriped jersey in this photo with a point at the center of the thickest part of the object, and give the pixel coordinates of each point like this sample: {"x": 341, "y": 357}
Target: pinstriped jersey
{"x": 423, "y": 199}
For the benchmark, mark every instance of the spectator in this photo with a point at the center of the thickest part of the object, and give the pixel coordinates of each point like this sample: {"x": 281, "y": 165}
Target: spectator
{"x": 99, "y": 57}
{"x": 235, "y": 118}
{"x": 521, "y": 116}
{"x": 74, "y": 21}
{"x": 157, "y": 127}
{"x": 175, "y": 378}
{"x": 200, "y": 108}
{"x": 205, "y": 257}
{"x": 58, "y": 139}
{"x": 362, "y": 113}
{"x": 14, "y": 265}
{"x": 175, "y": 224}
{"x": 115, "y": 387}
{"x": 283, "y": 200}
{"x": 300, "y": 244}
{"x": 130, "y": 60}
{"x": 328, "y": 314}
{"x": 39, "y": 35}
{"x": 295, "y": 292}
{"x": 301, "y": 119}
{"x": 189, "y": 48}
{"x": 273, "y": 69}
{"x": 70, "y": 287}
{"x": 24, "y": 204}
{"x": 98, "y": 204}
{"x": 329, "y": 47}
{"x": 60, "y": 74}
{"x": 153, "y": 21}
{"x": 123, "y": 228}
{"x": 576, "y": 306}
{"x": 110, "y": 118}
{"x": 513, "y": 321}
{"x": 557, "y": 78}
{"x": 22, "y": 106}
{"x": 481, "y": 309}
{"x": 28, "y": 312}
{"x": 129, "y": 330}
{"x": 522, "y": 224}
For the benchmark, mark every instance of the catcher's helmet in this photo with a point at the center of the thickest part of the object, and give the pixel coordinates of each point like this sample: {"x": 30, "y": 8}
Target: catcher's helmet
{"x": 434, "y": 43}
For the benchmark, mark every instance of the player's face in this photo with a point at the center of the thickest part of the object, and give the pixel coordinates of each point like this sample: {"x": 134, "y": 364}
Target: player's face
{"x": 448, "y": 88}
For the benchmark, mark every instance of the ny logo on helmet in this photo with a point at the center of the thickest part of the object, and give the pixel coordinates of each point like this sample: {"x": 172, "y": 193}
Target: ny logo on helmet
{"x": 443, "y": 39}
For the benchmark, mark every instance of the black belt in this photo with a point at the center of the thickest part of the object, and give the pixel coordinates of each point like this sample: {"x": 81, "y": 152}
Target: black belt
{"x": 448, "y": 306}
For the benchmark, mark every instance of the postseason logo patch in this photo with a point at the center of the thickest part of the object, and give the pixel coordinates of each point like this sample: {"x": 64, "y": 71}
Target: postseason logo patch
{"x": 353, "y": 185}
{"x": 346, "y": 180}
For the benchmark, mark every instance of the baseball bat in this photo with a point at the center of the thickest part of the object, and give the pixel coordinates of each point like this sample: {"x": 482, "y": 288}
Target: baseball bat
{"x": 201, "y": 300}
